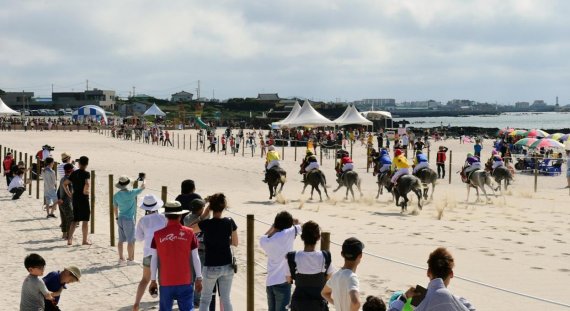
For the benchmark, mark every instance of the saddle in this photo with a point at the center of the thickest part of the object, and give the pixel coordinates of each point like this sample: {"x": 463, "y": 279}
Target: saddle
{"x": 422, "y": 169}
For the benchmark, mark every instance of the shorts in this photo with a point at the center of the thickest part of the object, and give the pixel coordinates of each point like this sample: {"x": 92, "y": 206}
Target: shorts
{"x": 50, "y": 197}
{"x": 568, "y": 173}
{"x": 81, "y": 210}
{"x": 126, "y": 230}
{"x": 146, "y": 261}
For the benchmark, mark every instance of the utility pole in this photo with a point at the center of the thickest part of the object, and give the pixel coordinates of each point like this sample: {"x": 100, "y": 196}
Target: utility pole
{"x": 213, "y": 94}
{"x": 87, "y": 85}
{"x": 198, "y": 91}
{"x": 133, "y": 91}
{"x": 52, "y": 89}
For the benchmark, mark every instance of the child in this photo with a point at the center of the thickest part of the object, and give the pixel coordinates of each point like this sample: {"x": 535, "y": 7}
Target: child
{"x": 17, "y": 185}
{"x": 50, "y": 188}
{"x": 65, "y": 209}
{"x": 34, "y": 290}
{"x": 55, "y": 282}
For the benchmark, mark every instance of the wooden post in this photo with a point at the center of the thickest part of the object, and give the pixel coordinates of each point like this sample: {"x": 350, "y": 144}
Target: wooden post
{"x": 92, "y": 202}
{"x": 325, "y": 241}
{"x": 218, "y": 144}
{"x": 25, "y": 168}
{"x": 178, "y": 140}
{"x": 321, "y": 150}
{"x": 111, "y": 212}
{"x": 20, "y": 156}
{"x": 164, "y": 194}
{"x": 250, "y": 262}
{"x": 30, "y": 186}
{"x": 1, "y": 157}
{"x": 429, "y": 152}
{"x": 242, "y": 147}
{"x": 38, "y": 181}
{"x": 189, "y": 142}
{"x": 283, "y": 149}
{"x": 535, "y": 173}
{"x": 184, "y": 142}
{"x": 295, "y": 150}
{"x": 197, "y": 141}
{"x": 351, "y": 155}
{"x": 450, "y": 161}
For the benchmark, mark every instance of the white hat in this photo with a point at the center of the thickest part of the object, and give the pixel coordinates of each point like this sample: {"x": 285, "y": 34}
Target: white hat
{"x": 124, "y": 181}
{"x": 174, "y": 208}
{"x": 151, "y": 203}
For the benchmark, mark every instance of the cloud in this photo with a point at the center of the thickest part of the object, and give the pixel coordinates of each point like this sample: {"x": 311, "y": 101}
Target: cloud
{"x": 494, "y": 50}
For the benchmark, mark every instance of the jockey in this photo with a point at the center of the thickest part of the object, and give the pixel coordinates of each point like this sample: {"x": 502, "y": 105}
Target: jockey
{"x": 271, "y": 160}
{"x": 384, "y": 161}
{"x": 497, "y": 160}
{"x": 305, "y": 161}
{"x": 402, "y": 165}
{"x": 420, "y": 161}
{"x": 345, "y": 163}
{"x": 472, "y": 163}
{"x": 313, "y": 164}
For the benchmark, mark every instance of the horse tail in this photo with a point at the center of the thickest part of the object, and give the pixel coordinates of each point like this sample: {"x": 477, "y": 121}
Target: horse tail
{"x": 282, "y": 178}
{"x": 323, "y": 179}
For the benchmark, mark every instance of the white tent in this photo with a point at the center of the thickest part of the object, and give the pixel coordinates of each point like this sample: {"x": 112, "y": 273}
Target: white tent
{"x": 292, "y": 115}
{"x": 154, "y": 111}
{"x": 90, "y": 111}
{"x": 376, "y": 115}
{"x": 4, "y": 109}
{"x": 351, "y": 116}
{"x": 308, "y": 117}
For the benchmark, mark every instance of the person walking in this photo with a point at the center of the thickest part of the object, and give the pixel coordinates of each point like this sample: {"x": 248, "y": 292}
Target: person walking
{"x": 125, "y": 208}
{"x": 219, "y": 235}
{"x": 276, "y": 243}
{"x": 50, "y": 188}
{"x": 80, "y": 181}
{"x": 146, "y": 227}
{"x": 440, "y": 161}
{"x": 176, "y": 246}
{"x": 167, "y": 140}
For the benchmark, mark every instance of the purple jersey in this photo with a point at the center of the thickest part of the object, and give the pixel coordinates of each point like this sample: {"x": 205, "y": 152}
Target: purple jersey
{"x": 472, "y": 160}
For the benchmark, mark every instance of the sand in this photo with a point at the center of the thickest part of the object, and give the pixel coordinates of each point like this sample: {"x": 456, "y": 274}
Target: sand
{"x": 518, "y": 241}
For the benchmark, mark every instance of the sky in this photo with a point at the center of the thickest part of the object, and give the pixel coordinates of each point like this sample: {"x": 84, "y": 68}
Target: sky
{"x": 490, "y": 51}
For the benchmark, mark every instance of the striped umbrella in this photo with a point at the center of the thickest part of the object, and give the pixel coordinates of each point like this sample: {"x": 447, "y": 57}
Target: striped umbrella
{"x": 535, "y": 133}
{"x": 526, "y": 142}
{"x": 546, "y": 143}
{"x": 517, "y": 133}
{"x": 565, "y": 137}
{"x": 505, "y": 131}
{"x": 555, "y": 136}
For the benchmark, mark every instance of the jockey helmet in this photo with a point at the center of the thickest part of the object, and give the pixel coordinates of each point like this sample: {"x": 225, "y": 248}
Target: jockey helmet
{"x": 271, "y": 148}
{"x": 398, "y": 152}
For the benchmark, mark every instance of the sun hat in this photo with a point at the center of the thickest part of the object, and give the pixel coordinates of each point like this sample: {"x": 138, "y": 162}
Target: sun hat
{"x": 151, "y": 203}
{"x": 74, "y": 271}
{"x": 173, "y": 208}
{"x": 398, "y": 152}
{"x": 124, "y": 181}
{"x": 351, "y": 248}
{"x": 65, "y": 155}
{"x": 271, "y": 148}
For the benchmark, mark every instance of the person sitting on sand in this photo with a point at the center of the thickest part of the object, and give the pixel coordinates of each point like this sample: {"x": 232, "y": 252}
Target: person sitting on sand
{"x": 438, "y": 297}
{"x": 420, "y": 161}
{"x": 55, "y": 282}
{"x": 401, "y": 164}
{"x": 17, "y": 185}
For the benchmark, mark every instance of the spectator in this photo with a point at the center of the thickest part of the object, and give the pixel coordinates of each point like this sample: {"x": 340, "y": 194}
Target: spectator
{"x": 276, "y": 243}
{"x": 17, "y": 185}
{"x": 219, "y": 234}
{"x": 34, "y": 290}
{"x": 477, "y": 148}
{"x": 80, "y": 181}
{"x": 405, "y": 141}
{"x": 50, "y": 187}
{"x": 174, "y": 256}
{"x": 441, "y": 157}
{"x": 64, "y": 201}
{"x": 310, "y": 269}
{"x": 438, "y": 297}
{"x": 65, "y": 158}
{"x": 342, "y": 289}
{"x": 373, "y": 303}
{"x": 125, "y": 203}
{"x": 187, "y": 195}
{"x": 146, "y": 227}
{"x": 55, "y": 282}
{"x": 7, "y": 164}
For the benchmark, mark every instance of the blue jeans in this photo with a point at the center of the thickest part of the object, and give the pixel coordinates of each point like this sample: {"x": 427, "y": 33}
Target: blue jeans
{"x": 278, "y": 296}
{"x": 224, "y": 276}
{"x": 184, "y": 294}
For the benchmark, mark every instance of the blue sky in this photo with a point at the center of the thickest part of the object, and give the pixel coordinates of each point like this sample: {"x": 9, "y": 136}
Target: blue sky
{"x": 496, "y": 50}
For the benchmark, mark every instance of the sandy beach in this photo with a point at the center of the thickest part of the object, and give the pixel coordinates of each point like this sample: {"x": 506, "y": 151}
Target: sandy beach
{"x": 518, "y": 241}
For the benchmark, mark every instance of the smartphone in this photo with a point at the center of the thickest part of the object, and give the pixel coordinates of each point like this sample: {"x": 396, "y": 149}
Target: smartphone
{"x": 141, "y": 176}
{"x": 419, "y": 297}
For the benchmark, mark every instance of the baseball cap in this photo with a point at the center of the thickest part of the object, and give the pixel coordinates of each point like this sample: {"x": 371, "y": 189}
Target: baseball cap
{"x": 351, "y": 248}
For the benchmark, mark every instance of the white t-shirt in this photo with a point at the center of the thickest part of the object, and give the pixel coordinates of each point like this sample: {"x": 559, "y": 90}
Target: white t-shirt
{"x": 276, "y": 248}
{"x": 146, "y": 228}
{"x": 311, "y": 263}
{"x": 342, "y": 283}
{"x": 16, "y": 182}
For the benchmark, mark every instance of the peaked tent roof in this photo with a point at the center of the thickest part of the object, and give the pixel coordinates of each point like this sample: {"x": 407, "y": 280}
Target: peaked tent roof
{"x": 292, "y": 115}
{"x": 308, "y": 117}
{"x": 4, "y": 109}
{"x": 154, "y": 111}
{"x": 351, "y": 116}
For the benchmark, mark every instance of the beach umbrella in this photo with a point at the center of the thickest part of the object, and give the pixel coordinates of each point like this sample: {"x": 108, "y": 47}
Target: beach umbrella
{"x": 546, "y": 143}
{"x": 535, "y": 133}
{"x": 555, "y": 136}
{"x": 517, "y": 133}
{"x": 563, "y": 138}
{"x": 505, "y": 131}
{"x": 526, "y": 142}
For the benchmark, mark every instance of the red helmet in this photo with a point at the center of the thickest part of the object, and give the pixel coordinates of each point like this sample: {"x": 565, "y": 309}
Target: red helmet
{"x": 398, "y": 152}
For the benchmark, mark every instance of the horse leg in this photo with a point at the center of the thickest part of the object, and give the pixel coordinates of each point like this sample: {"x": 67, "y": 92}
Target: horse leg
{"x": 348, "y": 187}
{"x": 339, "y": 185}
{"x": 405, "y": 203}
{"x": 379, "y": 190}
{"x": 304, "y": 187}
{"x": 425, "y": 189}
{"x": 432, "y": 189}
{"x": 281, "y": 188}
{"x": 325, "y": 188}
{"x": 312, "y": 190}
{"x": 468, "y": 191}
{"x": 270, "y": 191}
{"x": 318, "y": 191}
{"x": 419, "y": 195}
{"x": 359, "y": 190}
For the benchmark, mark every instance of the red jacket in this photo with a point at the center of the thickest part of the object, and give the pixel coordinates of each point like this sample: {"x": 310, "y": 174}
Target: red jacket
{"x": 441, "y": 157}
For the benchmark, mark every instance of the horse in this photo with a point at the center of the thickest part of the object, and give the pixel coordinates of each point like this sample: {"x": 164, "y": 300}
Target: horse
{"x": 275, "y": 176}
{"x": 316, "y": 178}
{"x": 383, "y": 182}
{"x": 501, "y": 173}
{"x": 405, "y": 184}
{"x": 427, "y": 176}
{"x": 478, "y": 179}
{"x": 349, "y": 179}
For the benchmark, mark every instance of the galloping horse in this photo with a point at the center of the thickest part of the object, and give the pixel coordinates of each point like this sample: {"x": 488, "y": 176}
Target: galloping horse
{"x": 427, "y": 176}
{"x": 478, "y": 179}
{"x": 349, "y": 179}
{"x": 405, "y": 184}
{"x": 274, "y": 177}
{"x": 316, "y": 178}
{"x": 501, "y": 173}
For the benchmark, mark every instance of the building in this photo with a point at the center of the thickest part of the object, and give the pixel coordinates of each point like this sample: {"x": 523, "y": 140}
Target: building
{"x": 17, "y": 100}
{"x": 376, "y": 102}
{"x": 181, "y": 96}
{"x": 522, "y": 105}
{"x": 132, "y": 109}
{"x": 103, "y": 98}
{"x": 423, "y": 104}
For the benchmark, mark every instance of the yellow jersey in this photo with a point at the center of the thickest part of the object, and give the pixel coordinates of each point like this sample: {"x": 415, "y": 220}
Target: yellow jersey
{"x": 272, "y": 155}
{"x": 401, "y": 162}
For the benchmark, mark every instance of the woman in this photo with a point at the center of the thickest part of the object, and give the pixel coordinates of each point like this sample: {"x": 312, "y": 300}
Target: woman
{"x": 146, "y": 227}
{"x": 219, "y": 235}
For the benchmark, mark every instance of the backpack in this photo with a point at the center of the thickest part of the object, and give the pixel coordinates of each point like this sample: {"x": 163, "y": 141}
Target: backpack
{"x": 293, "y": 265}
{"x": 307, "y": 296}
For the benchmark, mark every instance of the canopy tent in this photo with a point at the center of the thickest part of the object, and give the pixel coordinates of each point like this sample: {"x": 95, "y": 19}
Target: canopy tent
{"x": 292, "y": 115}
{"x": 4, "y": 109}
{"x": 90, "y": 111}
{"x": 376, "y": 115}
{"x": 308, "y": 117}
{"x": 351, "y": 116}
{"x": 154, "y": 111}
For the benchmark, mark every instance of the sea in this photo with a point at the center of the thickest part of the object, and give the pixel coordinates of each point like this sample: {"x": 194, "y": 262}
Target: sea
{"x": 518, "y": 120}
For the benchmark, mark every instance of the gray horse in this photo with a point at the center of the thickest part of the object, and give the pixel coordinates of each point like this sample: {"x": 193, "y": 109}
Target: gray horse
{"x": 383, "y": 182}
{"x": 479, "y": 179}
{"x": 427, "y": 176}
{"x": 274, "y": 177}
{"x": 316, "y": 178}
{"x": 349, "y": 179}
{"x": 502, "y": 174}
{"x": 406, "y": 184}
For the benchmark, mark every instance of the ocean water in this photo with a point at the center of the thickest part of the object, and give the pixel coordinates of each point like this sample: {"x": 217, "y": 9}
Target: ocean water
{"x": 518, "y": 120}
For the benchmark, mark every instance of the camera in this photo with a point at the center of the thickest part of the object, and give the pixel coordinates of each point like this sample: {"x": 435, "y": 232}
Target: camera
{"x": 141, "y": 176}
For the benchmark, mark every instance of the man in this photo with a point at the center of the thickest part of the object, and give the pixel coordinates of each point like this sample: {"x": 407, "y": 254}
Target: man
{"x": 497, "y": 161}
{"x": 419, "y": 145}
{"x": 80, "y": 181}
{"x": 438, "y": 297}
{"x": 342, "y": 289}
{"x": 440, "y": 161}
{"x": 176, "y": 246}
{"x": 345, "y": 164}
{"x": 7, "y": 164}
{"x": 568, "y": 168}
{"x": 276, "y": 243}
{"x": 420, "y": 161}
{"x": 125, "y": 203}
{"x": 401, "y": 164}
{"x": 405, "y": 141}
{"x": 65, "y": 158}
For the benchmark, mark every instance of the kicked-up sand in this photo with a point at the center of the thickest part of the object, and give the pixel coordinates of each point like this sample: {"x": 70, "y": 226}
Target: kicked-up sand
{"x": 518, "y": 241}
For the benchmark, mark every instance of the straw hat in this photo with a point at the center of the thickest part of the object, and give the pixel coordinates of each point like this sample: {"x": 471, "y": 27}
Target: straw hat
{"x": 65, "y": 155}
{"x": 151, "y": 203}
{"x": 124, "y": 181}
{"x": 173, "y": 208}
{"x": 74, "y": 271}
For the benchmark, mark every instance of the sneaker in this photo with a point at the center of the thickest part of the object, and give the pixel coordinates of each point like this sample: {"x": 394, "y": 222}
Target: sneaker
{"x": 132, "y": 262}
{"x": 122, "y": 262}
